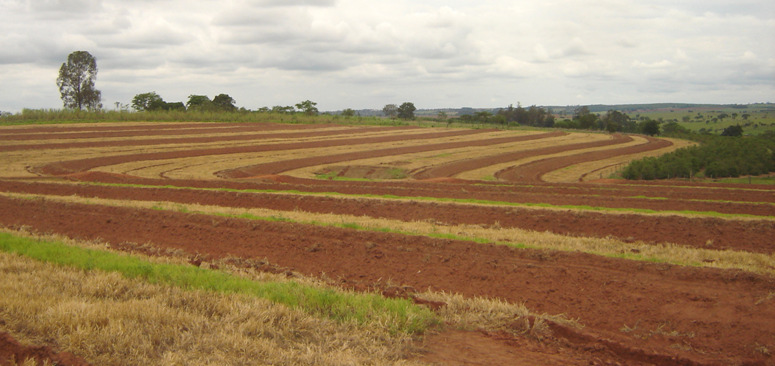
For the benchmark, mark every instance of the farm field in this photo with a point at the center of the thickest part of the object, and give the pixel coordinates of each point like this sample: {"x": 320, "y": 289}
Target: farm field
{"x": 607, "y": 271}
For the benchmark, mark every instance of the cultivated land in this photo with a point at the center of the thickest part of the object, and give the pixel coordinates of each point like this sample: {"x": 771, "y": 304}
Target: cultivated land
{"x": 430, "y": 246}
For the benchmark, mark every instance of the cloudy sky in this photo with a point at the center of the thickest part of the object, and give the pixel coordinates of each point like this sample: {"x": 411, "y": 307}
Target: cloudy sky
{"x": 368, "y": 53}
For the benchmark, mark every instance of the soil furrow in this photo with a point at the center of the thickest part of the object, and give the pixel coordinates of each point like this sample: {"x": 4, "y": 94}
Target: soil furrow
{"x": 451, "y": 169}
{"x": 74, "y": 166}
{"x": 243, "y": 136}
{"x": 291, "y": 164}
{"x": 715, "y": 315}
{"x": 532, "y": 172}
{"x": 706, "y": 233}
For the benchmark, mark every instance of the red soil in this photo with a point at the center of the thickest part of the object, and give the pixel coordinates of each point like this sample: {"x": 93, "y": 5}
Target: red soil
{"x": 13, "y": 352}
{"x": 286, "y": 165}
{"x": 753, "y": 236}
{"x": 533, "y": 171}
{"x": 632, "y": 312}
{"x": 99, "y": 131}
{"x": 74, "y": 166}
{"x": 679, "y": 315}
{"x": 457, "y": 167}
{"x": 244, "y": 136}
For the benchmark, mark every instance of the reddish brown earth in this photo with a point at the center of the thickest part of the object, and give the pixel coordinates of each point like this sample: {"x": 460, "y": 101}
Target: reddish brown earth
{"x": 632, "y": 312}
{"x": 245, "y": 135}
{"x": 13, "y": 352}
{"x": 533, "y": 171}
{"x": 753, "y": 236}
{"x": 451, "y": 169}
{"x": 290, "y": 164}
{"x": 680, "y": 315}
{"x": 82, "y": 165}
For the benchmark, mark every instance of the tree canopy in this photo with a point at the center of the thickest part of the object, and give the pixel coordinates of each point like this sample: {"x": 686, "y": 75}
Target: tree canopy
{"x": 406, "y": 110}
{"x": 224, "y": 102}
{"x": 76, "y": 82}
{"x": 390, "y": 110}
{"x": 308, "y": 107}
{"x": 733, "y": 131}
{"x": 147, "y": 102}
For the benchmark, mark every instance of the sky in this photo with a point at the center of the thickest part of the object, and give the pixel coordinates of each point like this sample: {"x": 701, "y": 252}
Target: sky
{"x": 364, "y": 54}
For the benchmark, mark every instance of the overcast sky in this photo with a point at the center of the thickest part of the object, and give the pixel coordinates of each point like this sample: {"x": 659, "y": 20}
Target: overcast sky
{"x": 365, "y": 53}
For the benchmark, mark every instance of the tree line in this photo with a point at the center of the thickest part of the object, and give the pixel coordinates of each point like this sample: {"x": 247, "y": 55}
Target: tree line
{"x": 582, "y": 119}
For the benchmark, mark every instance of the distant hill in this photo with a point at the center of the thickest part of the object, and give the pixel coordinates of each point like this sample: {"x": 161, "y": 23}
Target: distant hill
{"x": 569, "y": 109}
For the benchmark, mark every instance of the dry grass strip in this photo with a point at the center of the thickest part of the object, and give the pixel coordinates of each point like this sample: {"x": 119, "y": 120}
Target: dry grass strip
{"x": 16, "y": 163}
{"x": 667, "y": 253}
{"x": 415, "y": 161}
{"x": 205, "y": 167}
{"x": 151, "y": 135}
{"x": 488, "y": 172}
{"x": 110, "y": 320}
{"x": 604, "y": 168}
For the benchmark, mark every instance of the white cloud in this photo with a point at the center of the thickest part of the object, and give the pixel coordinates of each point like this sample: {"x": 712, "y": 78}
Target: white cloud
{"x": 350, "y": 53}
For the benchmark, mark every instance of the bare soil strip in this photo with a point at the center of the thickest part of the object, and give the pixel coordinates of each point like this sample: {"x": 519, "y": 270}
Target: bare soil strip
{"x": 452, "y": 169}
{"x": 291, "y": 164}
{"x": 706, "y": 233}
{"x": 144, "y": 130}
{"x": 533, "y": 171}
{"x": 238, "y": 136}
{"x": 632, "y": 312}
{"x": 73, "y": 166}
{"x": 710, "y": 199}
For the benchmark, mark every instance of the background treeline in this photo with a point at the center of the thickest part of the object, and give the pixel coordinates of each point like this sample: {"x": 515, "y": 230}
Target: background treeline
{"x": 715, "y": 157}
{"x": 582, "y": 119}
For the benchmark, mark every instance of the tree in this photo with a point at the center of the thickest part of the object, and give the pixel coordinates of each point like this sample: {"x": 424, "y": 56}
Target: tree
{"x": 76, "y": 81}
{"x": 148, "y": 102}
{"x": 585, "y": 118}
{"x": 733, "y": 131}
{"x": 224, "y": 102}
{"x": 673, "y": 128}
{"x": 347, "y": 113}
{"x": 406, "y": 110}
{"x": 308, "y": 107}
{"x": 199, "y": 103}
{"x": 390, "y": 111}
{"x": 649, "y": 127}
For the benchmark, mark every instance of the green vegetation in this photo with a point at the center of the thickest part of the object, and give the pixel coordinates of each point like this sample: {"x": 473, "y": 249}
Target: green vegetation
{"x": 399, "y": 314}
{"x": 76, "y": 82}
{"x": 54, "y": 116}
{"x": 715, "y": 157}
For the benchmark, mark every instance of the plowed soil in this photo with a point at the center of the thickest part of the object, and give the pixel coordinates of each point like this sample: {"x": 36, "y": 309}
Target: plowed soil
{"x": 633, "y": 312}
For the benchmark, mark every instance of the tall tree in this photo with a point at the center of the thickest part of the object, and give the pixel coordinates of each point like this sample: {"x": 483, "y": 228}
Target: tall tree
{"x": 224, "y": 102}
{"x": 390, "y": 110}
{"x": 308, "y": 107}
{"x": 148, "y": 102}
{"x": 406, "y": 110}
{"x": 76, "y": 81}
{"x": 199, "y": 103}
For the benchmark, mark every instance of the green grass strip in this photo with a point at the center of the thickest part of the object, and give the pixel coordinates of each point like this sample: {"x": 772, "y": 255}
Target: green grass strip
{"x": 401, "y": 315}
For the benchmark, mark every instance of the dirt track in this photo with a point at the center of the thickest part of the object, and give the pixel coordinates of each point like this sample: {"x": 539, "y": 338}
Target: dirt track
{"x": 633, "y": 312}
